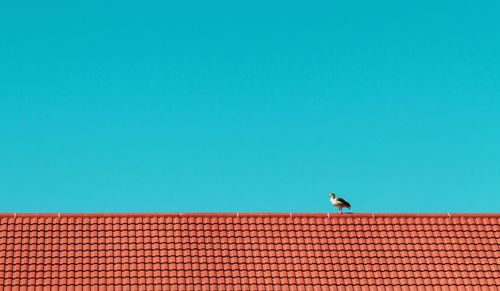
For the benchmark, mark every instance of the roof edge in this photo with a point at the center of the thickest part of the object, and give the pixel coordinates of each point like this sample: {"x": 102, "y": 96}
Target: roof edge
{"x": 245, "y": 214}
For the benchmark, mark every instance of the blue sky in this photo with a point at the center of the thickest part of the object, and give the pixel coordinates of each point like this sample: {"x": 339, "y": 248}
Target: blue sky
{"x": 181, "y": 106}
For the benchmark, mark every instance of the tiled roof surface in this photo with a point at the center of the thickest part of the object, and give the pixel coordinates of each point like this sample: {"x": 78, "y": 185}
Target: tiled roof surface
{"x": 249, "y": 252}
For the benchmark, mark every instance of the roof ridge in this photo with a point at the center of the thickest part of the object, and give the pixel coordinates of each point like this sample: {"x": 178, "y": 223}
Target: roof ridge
{"x": 247, "y": 214}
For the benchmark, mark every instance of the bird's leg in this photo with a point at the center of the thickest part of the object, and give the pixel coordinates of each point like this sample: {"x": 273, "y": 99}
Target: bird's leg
{"x": 340, "y": 210}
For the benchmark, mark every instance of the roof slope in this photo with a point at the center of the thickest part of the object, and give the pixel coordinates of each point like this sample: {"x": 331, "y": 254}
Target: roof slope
{"x": 249, "y": 251}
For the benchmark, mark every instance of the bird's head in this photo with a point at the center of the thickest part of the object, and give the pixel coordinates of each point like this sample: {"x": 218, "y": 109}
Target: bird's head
{"x": 332, "y": 195}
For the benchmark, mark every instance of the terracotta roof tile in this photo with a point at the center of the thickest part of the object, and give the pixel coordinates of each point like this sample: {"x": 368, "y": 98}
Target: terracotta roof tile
{"x": 249, "y": 251}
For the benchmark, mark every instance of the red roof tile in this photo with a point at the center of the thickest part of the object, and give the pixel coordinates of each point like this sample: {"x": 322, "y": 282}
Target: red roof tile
{"x": 249, "y": 251}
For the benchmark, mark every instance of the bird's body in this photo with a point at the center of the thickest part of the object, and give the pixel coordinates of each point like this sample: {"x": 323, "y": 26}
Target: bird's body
{"x": 339, "y": 202}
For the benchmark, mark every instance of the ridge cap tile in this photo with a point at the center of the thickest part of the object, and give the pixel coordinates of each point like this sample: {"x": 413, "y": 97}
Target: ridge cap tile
{"x": 247, "y": 214}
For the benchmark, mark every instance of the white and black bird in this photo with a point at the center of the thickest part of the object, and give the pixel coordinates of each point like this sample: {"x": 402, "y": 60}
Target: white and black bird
{"x": 339, "y": 202}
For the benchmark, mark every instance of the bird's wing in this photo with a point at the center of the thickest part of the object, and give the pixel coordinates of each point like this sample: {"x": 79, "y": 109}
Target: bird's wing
{"x": 345, "y": 202}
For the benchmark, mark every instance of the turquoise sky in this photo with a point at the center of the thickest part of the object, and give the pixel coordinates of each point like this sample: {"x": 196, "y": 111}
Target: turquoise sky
{"x": 249, "y": 106}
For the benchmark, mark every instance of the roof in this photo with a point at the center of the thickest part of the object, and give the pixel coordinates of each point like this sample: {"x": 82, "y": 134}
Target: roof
{"x": 249, "y": 251}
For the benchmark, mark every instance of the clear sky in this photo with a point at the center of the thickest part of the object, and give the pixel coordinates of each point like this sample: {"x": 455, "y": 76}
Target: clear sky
{"x": 249, "y": 106}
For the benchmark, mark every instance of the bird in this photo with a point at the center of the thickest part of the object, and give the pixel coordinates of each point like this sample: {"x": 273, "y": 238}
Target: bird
{"x": 339, "y": 202}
